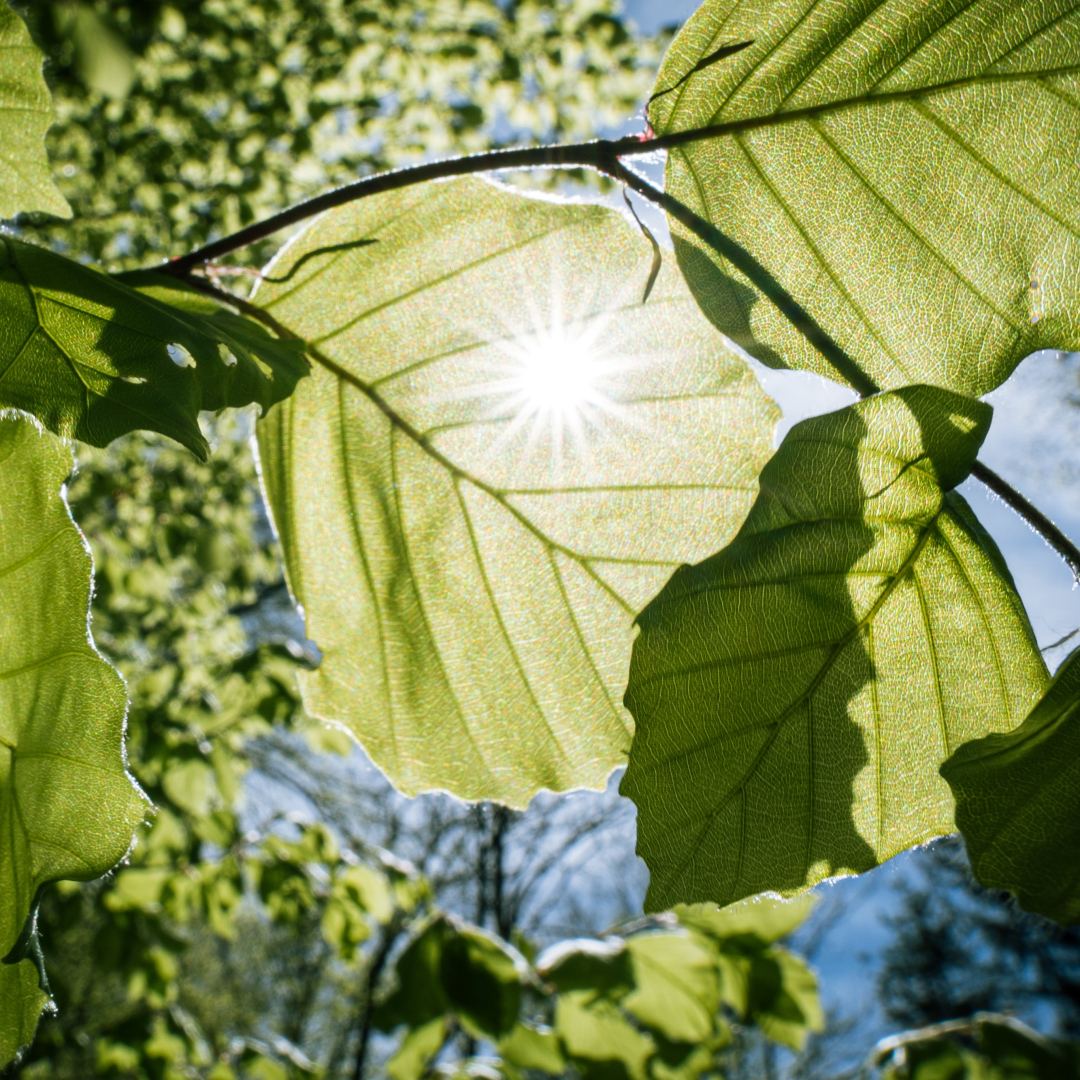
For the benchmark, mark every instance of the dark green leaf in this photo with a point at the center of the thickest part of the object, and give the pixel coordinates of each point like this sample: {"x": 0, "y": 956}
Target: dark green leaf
{"x": 1018, "y": 802}
{"x": 586, "y": 964}
{"x": 481, "y": 980}
{"x": 795, "y": 693}
{"x": 93, "y": 357}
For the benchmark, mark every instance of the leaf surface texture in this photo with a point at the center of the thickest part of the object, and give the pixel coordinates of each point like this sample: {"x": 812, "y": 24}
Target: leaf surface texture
{"x": 796, "y": 692}
{"x": 501, "y": 455}
{"x": 26, "y": 113}
{"x": 906, "y": 169}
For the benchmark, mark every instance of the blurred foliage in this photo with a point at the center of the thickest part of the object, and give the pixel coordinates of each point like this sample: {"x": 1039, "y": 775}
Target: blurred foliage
{"x": 987, "y": 1046}
{"x": 182, "y": 121}
{"x": 661, "y": 1000}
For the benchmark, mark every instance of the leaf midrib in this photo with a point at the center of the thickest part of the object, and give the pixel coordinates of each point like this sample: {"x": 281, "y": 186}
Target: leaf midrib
{"x": 773, "y": 120}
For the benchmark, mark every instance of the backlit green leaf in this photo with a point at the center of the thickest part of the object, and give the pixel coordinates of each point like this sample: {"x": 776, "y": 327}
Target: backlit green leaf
{"x": 94, "y": 356}
{"x": 675, "y": 986}
{"x": 1018, "y": 802}
{"x": 530, "y": 1048}
{"x": 21, "y": 1002}
{"x": 594, "y": 1033}
{"x": 905, "y": 169}
{"x": 416, "y": 1050}
{"x": 501, "y": 456}
{"x": 795, "y": 693}
{"x": 26, "y": 113}
{"x": 762, "y": 919}
{"x": 67, "y": 807}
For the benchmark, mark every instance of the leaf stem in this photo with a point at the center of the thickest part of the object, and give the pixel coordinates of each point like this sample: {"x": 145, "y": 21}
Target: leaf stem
{"x": 1032, "y": 515}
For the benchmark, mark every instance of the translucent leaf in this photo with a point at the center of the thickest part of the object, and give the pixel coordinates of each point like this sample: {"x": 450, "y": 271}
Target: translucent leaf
{"x": 68, "y": 809}
{"x": 416, "y": 1050}
{"x": 796, "y": 692}
{"x": 1018, "y": 802}
{"x": 906, "y": 171}
{"x": 675, "y": 986}
{"x": 26, "y": 113}
{"x": 21, "y": 1002}
{"x": 762, "y": 919}
{"x": 93, "y": 357}
{"x": 529, "y": 1048}
{"x": 501, "y": 456}
{"x": 593, "y": 1031}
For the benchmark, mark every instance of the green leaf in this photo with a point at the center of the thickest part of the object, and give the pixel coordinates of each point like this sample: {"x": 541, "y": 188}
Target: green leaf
{"x": 763, "y": 919}
{"x": 530, "y": 1048}
{"x": 103, "y": 62}
{"x": 21, "y": 1002}
{"x": 764, "y": 985}
{"x": 795, "y": 693}
{"x": 880, "y": 167}
{"x": 1018, "y": 802}
{"x": 94, "y": 356}
{"x": 453, "y": 967}
{"x": 676, "y": 991}
{"x": 783, "y": 998}
{"x": 594, "y": 1033}
{"x": 500, "y": 457}
{"x": 68, "y": 809}
{"x": 26, "y": 113}
{"x": 417, "y": 1049}
{"x": 419, "y": 997}
{"x": 482, "y": 980}
{"x": 587, "y": 964}
{"x": 1004, "y": 1049}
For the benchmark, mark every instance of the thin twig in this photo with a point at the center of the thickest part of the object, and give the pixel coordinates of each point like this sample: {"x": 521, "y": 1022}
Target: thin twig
{"x": 1032, "y": 515}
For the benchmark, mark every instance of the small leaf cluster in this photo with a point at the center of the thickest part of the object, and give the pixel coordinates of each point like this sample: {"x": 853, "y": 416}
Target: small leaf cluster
{"x": 657, "y": 1001}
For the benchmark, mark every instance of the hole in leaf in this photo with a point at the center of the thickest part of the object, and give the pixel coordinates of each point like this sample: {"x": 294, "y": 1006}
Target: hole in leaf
{"x": 180, "y": 356}
{"x": 135, "y": 380}
{"x": 226, "y": 354}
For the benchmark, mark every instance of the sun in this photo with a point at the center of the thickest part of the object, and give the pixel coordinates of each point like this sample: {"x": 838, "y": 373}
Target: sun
{"x": 559, "y": 380}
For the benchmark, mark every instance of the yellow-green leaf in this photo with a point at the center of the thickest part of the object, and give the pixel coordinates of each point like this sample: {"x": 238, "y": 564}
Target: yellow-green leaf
{"x": 501, "y": 455}
{"x": 907, "y": 170}
{"x": 68, "y": 808}
{"x": 26, "y": 113}
{"x": 795, "y": 693}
